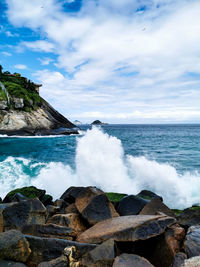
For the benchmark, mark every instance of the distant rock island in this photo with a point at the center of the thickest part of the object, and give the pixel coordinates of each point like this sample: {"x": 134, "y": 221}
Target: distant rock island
{"x": 24, "y": 112}
{"x": 98, "y": 122}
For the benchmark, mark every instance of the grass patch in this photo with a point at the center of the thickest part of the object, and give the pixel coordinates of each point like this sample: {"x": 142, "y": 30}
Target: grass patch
{"x": 115, "y": 197}
{"x": 177, "y": 211}
{"x": 195, "y": 208}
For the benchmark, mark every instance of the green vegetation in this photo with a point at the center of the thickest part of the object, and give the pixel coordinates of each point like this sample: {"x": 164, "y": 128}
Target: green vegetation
{"x": 29, "y": 192}
{"x": 2, "y": 95}
{"x": 177, "y": 211}
{"x": 20, "y": 87}
{"x": 115, "y": 197}
{"x": 195, "y": 208}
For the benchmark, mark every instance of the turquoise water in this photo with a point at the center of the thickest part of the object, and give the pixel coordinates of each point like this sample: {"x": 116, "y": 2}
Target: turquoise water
{"x": 121, "y": 158}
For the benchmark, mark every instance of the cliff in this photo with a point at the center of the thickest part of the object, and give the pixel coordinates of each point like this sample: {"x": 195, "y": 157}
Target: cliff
{"x": 24, "y": 112}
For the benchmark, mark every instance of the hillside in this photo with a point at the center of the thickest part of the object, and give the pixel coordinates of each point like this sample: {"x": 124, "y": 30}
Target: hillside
{"x": 24, "y": 112}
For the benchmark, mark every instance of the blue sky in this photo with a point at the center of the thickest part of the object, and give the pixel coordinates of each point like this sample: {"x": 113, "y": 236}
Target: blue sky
{"x": 120, "y": 61}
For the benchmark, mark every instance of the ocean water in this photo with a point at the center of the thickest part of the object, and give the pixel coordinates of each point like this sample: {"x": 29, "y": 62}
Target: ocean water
{"x": 116, "y": 158}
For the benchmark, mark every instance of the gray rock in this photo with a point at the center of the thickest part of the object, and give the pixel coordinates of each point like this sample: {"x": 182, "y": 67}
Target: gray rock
{"x": 103, "y": 255}
{"x": 131, "y": 260}
{"x": 14, "y": 246}
{"x": 192, "y": 241}
{"x": 18, "y": 102}
{"x": 3, "y": 104}
{"x": 131, "y": 205}
{"x": 18, "y": 197}
{"x": 179, "y": 259}
{"x": 47, "y": 249}
{"x": 17, "y": 214}
{"x": 148, "y": 195}
{"x": 4, "y": 263}
{"x": 62, "y": 261}
{"x": 189, "y": 217}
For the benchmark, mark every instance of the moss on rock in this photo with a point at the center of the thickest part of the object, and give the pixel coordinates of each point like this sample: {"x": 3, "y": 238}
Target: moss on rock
{"x": 115, "y": 197}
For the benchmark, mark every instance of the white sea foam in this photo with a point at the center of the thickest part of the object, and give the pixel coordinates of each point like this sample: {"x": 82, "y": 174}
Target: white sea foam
{"x": 100, "y": 161}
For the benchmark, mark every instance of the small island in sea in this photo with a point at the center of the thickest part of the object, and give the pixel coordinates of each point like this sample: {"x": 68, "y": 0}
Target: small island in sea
{"x": 24, "y": 112}
{"x": 98, "y": 122}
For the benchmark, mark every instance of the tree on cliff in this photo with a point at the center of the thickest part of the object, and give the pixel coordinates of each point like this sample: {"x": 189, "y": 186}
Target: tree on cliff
{"x": 1, "y": 68}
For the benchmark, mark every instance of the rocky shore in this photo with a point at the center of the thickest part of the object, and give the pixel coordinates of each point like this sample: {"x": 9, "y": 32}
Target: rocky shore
{"x": 88, "y": 227}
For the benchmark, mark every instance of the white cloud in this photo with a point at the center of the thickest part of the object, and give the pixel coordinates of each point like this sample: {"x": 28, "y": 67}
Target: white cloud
{"x": 119, "y": 55}
{"x": 20, "y": 67}
{"x": 7, "y": 54}
{"x": 45, "y": 61}
{"x": 39, "y": 46}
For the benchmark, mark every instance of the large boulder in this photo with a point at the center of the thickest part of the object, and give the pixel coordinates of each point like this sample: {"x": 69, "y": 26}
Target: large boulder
{"x": 68, "y": 220}
{"x": 154, "y": 206}
{"x": 131, "y": 260}
{"x": 127, "y": 228}
{"x": 14, "y": 246}
{"x": 18, "y": 102}
{"x": 47, "y": 249}
{"x": 189, "y": 217}
{"x": 94, "y": 205}
{"x": 103, "y": 255}
{"x": 17, "y": 214}
{"x": 49, "y": 230}
{"x": 167, "y": 246}
{"x": 192, "y": 241}
{"x": 131, "y": 205}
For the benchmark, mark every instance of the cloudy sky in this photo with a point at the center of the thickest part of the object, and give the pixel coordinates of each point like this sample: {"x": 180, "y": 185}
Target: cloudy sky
{"x": 120, "y": 61}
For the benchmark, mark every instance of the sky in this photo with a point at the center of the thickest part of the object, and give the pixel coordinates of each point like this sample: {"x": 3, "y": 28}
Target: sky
{"x": 119, "y": 61}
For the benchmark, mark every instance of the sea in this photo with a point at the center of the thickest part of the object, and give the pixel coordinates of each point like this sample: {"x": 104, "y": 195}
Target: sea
{"x": 116, "y": 158}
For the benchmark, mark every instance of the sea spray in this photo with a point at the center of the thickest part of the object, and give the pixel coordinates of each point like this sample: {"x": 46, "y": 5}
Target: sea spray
{"x": 100, "y": 161}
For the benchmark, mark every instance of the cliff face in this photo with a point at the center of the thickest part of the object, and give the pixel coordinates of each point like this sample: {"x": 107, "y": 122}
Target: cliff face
{"x": 43, "y": 121}
{"x": 24, "y": 112}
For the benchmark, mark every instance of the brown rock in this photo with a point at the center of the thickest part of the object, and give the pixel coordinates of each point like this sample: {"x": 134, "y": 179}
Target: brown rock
{"x": 131, "y": 260}
{"x": 94, "y": 205}
{"x": 17, "y": 214}
{"x": 131, "y": 205}
{"x": 127, "y": 228}
{"x": 14, "y": 246}
{"x": 154, "y": 206}
{"x": 71, "y": 209}
{"x": 49, "y": 230}
{"x": 68, "y": 220}
{"x": 167, "y": 246}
